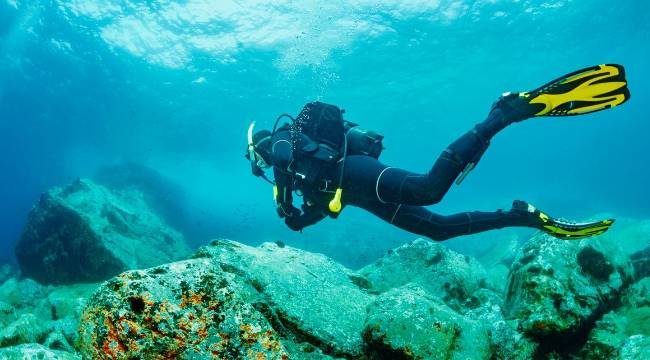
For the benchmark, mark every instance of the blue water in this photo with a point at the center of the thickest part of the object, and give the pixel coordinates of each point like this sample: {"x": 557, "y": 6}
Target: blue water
{"x": 166, "y": 90}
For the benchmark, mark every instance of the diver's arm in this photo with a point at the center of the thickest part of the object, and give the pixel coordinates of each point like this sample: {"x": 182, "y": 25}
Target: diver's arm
{"x": 283, "y": 195}
{"x": 282, "y": 158}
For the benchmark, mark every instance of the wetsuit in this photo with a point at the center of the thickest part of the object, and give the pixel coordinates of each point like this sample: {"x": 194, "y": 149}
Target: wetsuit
{"x": 395, "y": 195}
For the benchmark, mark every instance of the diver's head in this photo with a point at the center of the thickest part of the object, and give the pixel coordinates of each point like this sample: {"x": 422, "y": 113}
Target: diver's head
{"x": 259, "y": 150}
{"x": 262, "y": 145}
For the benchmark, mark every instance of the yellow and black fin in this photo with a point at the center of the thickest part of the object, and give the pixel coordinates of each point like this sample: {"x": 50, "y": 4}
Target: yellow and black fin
{"x": 571, "y": 231}
{"x": 558, "y": 228}
{"x": 584, "y": 91}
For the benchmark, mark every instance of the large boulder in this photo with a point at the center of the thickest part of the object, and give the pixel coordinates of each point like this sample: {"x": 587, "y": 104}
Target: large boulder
{"x": 450, "y": 276}
{"x": 559, "y": 288}
{"x": 230, "y": 300}
{"x": 625, "y": 332}
{"x": 321, "y": 301}
{"x": 84, "y": 232}
{"x": 407, "y": 323}
{"x": 187, "y": 309}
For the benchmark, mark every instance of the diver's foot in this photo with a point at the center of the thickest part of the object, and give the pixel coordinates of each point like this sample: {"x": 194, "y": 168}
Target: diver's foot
{"x": 511, "y": 107}
{"x": 558, "y": 228}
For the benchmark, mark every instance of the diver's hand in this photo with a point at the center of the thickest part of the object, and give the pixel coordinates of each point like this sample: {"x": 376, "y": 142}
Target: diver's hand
{"x": 294, "y": 223}
{"x": 287, "y": 211}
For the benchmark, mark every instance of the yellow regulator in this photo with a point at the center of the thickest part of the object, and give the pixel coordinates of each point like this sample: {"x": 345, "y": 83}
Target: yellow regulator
{"x": 335, "y": 203}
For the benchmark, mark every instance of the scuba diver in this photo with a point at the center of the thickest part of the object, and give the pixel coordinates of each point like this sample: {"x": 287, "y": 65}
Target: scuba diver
{"x": 332, "y": 163}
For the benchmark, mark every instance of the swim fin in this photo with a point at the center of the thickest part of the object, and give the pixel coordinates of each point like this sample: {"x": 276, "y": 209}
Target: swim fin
{"x": 584, "y": 91}
{"x": 558, "y": 228}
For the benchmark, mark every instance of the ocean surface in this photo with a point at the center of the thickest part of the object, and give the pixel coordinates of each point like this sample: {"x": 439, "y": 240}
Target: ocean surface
{"x": 162, "y": 92}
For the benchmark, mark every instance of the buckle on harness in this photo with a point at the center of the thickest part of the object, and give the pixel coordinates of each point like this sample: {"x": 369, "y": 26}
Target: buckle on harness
{"x": 325, "y": 185}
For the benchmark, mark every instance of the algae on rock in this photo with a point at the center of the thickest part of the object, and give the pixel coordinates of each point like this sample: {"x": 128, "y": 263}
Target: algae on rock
{"x": 180, "y": 310}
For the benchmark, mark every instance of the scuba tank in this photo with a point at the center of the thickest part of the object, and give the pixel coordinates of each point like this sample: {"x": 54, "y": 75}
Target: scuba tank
{"x": 321, "y": 138}
{"x": 363, "y": 142}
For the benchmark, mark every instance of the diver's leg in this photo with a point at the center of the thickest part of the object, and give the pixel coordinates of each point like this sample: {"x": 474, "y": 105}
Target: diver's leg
{"x": 401, "y": 186}
{"x": 368, "y": 178}
{"x": 420, "y": 221}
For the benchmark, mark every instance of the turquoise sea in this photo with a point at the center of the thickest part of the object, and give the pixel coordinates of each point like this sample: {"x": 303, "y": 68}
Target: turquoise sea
{"x": 87, "y": 85}
{"x": 170, "y": 87}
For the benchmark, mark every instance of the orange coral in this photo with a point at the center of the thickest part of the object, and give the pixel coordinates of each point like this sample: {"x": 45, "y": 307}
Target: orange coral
{"x": 111, "y": 345}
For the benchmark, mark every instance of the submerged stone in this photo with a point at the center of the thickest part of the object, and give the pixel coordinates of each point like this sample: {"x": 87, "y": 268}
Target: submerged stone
{"x": 189, "y": 309}
{"x": 26, "y": 329}
{"x": 35, "y": 351}
{"x": 506, "y": 339}
{"x": 310, "y": 296}
{"x": 625, "y": 332}
{"x": 559, "y": 288}
{"x": 84, "y": 232}
{"x": 452, "y": 277}
{"x": 406, "y": 323}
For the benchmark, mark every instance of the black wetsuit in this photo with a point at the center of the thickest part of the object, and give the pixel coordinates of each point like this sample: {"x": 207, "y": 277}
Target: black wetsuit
{"x": 395, "y": 195}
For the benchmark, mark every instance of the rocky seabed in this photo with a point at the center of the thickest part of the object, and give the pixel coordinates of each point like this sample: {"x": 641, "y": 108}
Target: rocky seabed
{"x": 543, "y": 299}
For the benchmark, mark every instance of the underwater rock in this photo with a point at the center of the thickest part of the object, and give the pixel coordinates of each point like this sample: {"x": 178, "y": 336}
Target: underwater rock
{"x": 559, "y": 288}
{"x": 441, "y": 272}
{"x": 497, "y": 278}
{"x": 310, "y": 297}
{"x": 165, "y": 197}
{"x": 84, "y": 232}
{"x": 407, "y": 323}
{"x": 64, "y": 306}
{"x": 180, "y": 310}
{"x": 611, "y": 334}
{"x": 632, "y": 235}
{"x": 57, "y": 341}
{"x": 641, "y": 263}
{"x": 230, "y": 300}
{"x": 35, "y": 351}
{"x": 67, "y": 301}
{"x": 306, "y": 351}
{"x": 637, "y": 295}
{"x": 625, "y": 332}
{"x": 32, "y": 313}
{"x": 22, "y": 296}
{"x": 26, "y": 329}
{"x": 501, "y": 251}
{"x": 507, "y": 342}
{"x": 636, "y": 347}
{"x": 5, "y": 272}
